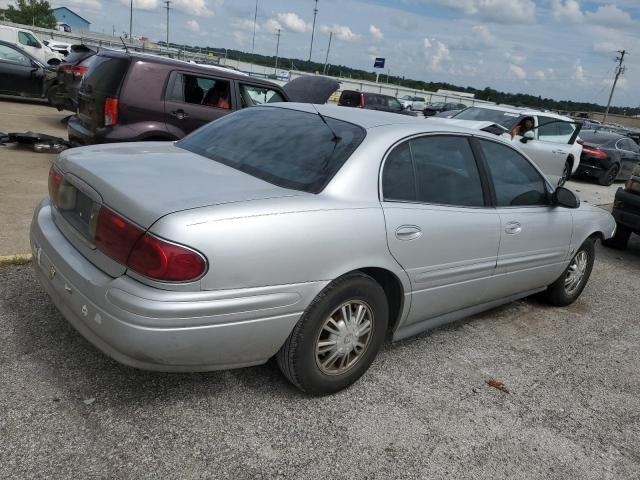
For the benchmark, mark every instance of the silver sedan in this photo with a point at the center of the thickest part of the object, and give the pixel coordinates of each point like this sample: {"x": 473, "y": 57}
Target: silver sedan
{"x": 303, "y": 233}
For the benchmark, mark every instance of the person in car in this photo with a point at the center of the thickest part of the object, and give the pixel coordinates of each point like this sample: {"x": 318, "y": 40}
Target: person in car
{"x": 217, "y": 96}
{"x": 523, "y": 126}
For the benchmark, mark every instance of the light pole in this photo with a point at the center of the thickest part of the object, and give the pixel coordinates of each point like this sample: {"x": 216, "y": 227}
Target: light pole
{"x": 253, "y": 42}
{"x": 131, "y": 20}
{"x": 275, "y": 70}
{"x": 313, "y": 28}
{"x": 167, "y": 2}
{"x": 326, "y": 60}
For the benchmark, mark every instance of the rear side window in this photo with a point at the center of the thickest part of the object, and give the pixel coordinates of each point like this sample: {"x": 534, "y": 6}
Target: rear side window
{"x": 252, "y": 95}
{"x": 515, "y": 181}
{"x": 349, "y": 99}
{"x": 106, "y": 75}
{"x": 436, "y": 169}
{"x": 554, "y": 130}
{"x": 197, "y": 90}
{"x": 288, "y": 148}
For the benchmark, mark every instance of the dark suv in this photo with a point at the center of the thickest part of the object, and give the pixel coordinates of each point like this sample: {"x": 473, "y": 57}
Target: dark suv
{"x": 626, "y": 211}
{"x": 135, "y": 97}
{"x": 372, "y": 101}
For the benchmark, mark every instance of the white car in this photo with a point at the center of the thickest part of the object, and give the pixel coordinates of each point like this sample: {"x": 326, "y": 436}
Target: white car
{"x": 416, "y": 104}
{"x": 30, "y": 43}
{"x": 551, "y": 143}
{"x": 63, "y": 48}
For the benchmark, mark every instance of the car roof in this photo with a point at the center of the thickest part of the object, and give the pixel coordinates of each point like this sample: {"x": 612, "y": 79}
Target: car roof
{"x": 600, "y": 134}
{"x": 184, "y": 65}
{"x": 523, "y": 111}
{"x": 369, "y": 119}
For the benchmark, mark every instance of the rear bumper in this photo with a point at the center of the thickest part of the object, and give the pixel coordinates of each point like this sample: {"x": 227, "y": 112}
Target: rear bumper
{"x": 154, "y": 329}
{"x": 626, "y": 209}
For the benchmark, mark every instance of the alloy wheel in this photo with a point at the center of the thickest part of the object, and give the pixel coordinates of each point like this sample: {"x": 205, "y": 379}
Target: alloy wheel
{"x": 344, "y": 337}
{"x": 575, "y": 273}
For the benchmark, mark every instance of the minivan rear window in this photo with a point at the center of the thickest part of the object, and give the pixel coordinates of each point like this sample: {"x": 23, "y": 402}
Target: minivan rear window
{"x": 105, "y": 75}
{"x": 350, "y": 99}
{"x": 288, "y": 148}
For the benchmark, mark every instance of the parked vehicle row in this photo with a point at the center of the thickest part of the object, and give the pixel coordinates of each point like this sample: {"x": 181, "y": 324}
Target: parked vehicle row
{"x": 373, "y": 101}
{"x": 64, "y": 94}
{"x": 440, "y": 107}
{"x": 31, "y": 44}
{"x": 194, "y": 255}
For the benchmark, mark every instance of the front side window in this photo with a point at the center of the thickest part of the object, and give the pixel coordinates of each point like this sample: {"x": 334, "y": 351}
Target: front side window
{"x": 515, "y": 181}
{"x": 27, "y": 39}
{"x": 436, "y": 169}
{"x": 394, "y": 104}
{"x": 256, "y": 95}
{"x": 8, "y": 54}
{"x": 207, "y": 91}
{"x": 288, "y": 148}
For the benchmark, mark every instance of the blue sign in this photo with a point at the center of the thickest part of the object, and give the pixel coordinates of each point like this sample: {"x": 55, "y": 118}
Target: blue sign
{"x": 379, "y": 63}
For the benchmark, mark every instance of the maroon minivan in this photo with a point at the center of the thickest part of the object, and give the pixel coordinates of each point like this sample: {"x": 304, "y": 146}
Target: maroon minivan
{"x": 127, "y": 97}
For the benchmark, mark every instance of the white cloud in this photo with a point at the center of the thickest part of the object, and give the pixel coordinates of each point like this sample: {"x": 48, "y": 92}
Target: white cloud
{"x": 606, "y": 48}
{"x": 92, "y": 5}
{"x": 483, "y": 36}
{"x": 539, "y": 75}
{"x": 567, "y": 11}
{"x": 198, "y": 8}
{"x": 610, "y": 16}
{"x": 240, "y": 38}
{"x": 436, "y": 51}
{"x": 375, "y": 32}
{"x": 293, "y": 22}
{"x": 340, "y": 31}
{"x": 579, "y": 74}
{"x": 498, "y": 11}
{"x": 517, "y": 71}
{"x": 516, "y": 58}
{"x": 244, "y": 24}
{"x": 193, "y": 26}
{"x": 271, "y": 25}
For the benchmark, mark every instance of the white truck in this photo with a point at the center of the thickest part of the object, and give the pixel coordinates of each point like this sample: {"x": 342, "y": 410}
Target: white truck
{"x": 30, "y": 43}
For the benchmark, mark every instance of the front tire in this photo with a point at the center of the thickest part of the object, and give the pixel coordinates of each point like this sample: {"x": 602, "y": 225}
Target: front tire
{"x": 566, "y": 174}
{"x": 338, "y": 337}
{"x": 568, "y": 287}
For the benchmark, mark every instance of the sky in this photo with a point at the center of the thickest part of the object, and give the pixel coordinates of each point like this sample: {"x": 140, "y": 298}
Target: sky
{"x": 563, "y": 49}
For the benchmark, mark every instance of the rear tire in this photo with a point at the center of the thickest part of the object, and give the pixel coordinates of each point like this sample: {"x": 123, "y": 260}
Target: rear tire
{"x": 621, "y": 238}
{"x": 568, "y": 287}
{"x": 324, "y": 353}
{"x": 608, "y": 177}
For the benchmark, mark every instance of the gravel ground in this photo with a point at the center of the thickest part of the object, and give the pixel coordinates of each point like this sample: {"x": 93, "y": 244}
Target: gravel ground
{"x": 424, "y": 410}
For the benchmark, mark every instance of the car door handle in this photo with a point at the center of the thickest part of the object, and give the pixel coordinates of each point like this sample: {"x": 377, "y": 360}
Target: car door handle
{"x": 180, "y": 114}
{"x": 408, "y": 232}
{"x": 513, "y": 228}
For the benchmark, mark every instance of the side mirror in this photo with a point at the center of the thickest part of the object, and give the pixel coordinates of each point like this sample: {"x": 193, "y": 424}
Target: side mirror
{"x": 564, "y": 197}
{"x": 528, "y": 135}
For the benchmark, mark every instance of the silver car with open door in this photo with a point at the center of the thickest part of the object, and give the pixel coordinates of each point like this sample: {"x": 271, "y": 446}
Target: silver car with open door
{"x": 301, "y": 232}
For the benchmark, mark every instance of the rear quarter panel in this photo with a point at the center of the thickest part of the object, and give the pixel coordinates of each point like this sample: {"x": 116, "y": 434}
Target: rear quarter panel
{"x": 277, "y": 241}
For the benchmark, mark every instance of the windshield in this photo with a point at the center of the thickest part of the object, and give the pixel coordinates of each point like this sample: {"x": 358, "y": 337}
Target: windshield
{"x": 501, "y": 117}
{"x": 288, "y": 148}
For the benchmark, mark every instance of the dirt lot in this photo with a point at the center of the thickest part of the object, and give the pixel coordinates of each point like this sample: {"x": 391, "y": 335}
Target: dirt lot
{"x": 24, "y": 179}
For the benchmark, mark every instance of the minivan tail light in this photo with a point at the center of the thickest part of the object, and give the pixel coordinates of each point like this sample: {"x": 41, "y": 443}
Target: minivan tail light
{"x": 55, "y": 179}
{"x": 165, "y": 261}
{"x": 361, "y": 102}
{"x": 110, "y": 111}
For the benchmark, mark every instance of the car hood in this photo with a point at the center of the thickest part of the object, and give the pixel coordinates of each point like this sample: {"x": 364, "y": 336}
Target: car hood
{"x": 311, "y": 89}
{"x": 147, "y": 180}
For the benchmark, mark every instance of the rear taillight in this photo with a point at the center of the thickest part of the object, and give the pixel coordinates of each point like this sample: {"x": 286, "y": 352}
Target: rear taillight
{"x": 145, "y": 254}
{"x": 361, "y": 102}
{"x": 115, "y": 237}
{"x": 165, "y": 261}
{"x": 55, "y": 178}
{"x": 75, "y": 70}
{"x": 110, "y": 111}
{"x": 593, "y": 152}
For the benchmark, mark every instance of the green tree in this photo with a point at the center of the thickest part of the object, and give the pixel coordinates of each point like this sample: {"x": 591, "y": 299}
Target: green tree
{"x": 31, "y": 12}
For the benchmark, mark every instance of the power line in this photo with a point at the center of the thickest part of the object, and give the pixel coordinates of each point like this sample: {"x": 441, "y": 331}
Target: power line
{"x": 313, "y": 28}
{"x": 619, "y": 71}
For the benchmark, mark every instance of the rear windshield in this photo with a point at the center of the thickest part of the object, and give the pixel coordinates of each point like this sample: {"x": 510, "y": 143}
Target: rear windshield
{"x": 506, "y": 119}
{"x": 598, "y": 138}
{"x": 105, "y": 75}
{"x": 288, "y": 148}
{"x": 350, "y": 99}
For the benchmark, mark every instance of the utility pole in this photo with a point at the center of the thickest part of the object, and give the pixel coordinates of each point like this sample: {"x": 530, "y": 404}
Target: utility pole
{"x": 313, "y": 28}
{"x": 326, "y": 60}
{"x": 275, "y": 70}
{"x": 619, "y": 71}
{"x": 167, "y": 2}
{"x": 253, "y": 42}
{"x": 131, "y": 20}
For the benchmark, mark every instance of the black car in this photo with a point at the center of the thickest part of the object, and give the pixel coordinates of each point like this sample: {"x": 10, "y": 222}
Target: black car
{"x": 23, "y": 75}
{"x": 626, "y": 211}
{"x": 438, "y": 107}
{"x": 372, "y": 101}
{"x": 607, "y": 156}
{"x": 64, "y": 95}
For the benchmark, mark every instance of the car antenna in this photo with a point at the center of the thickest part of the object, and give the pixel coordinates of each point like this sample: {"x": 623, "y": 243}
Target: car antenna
{"x": 124, "y": 44}
{"x": 336, "y": 138}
